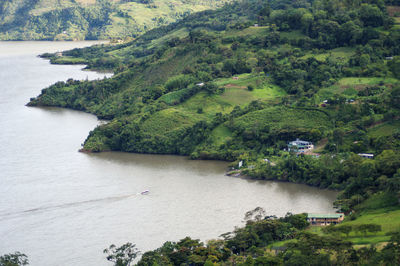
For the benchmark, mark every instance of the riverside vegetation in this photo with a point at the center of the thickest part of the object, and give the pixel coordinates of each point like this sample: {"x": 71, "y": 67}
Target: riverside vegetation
{"x": 237, "y": 84}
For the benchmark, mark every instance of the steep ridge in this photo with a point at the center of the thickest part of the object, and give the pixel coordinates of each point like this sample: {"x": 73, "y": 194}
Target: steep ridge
{"x": 91, "y": 19}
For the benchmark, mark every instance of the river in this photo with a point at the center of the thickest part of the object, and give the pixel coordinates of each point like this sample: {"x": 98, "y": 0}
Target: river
{"x": 62, "y": 207}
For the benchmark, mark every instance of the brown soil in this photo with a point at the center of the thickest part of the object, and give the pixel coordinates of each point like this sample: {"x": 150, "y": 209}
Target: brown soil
{"x": 361, "y": 87}
{"x": 392, "y": 10}
{"x": 321, "y": 144}
{"x": 381, "y": 122}
{"x": 356, "y": 87}
{"x": 230, "y": 85}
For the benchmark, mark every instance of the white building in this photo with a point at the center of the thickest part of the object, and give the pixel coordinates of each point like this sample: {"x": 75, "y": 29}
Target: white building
{"x": 300, "y": 146}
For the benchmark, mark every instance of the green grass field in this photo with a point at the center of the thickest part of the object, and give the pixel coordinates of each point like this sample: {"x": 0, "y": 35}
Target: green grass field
{"x": 350, "y": 86}
{"x": 284, "y": 119}
{"x": 388, "y": 218}
{"x": 293, "y": 35}
{"x": 181, "y": 33}
{"x": 250, "y": 31}
{"x": 220, "y": 134}
{"x": 385, "y": 129}
{"x": 236, "y": 91}
{"x": 168, "y": 120}
{"x": 340, "y": 53}
{"x": 366, "y": 81}
{"x": 210, "y": 104}
{"x": 66, "y": 60}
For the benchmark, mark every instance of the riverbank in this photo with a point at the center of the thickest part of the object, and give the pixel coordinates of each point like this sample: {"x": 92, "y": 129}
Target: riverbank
{"x": 41, "y": 168}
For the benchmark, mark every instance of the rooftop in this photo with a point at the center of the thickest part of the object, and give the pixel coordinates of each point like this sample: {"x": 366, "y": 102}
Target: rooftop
{"x": 301, "y": 142}
{"x": 318, "y": 215}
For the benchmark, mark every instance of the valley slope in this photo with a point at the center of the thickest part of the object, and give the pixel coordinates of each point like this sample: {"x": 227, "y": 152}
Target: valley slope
{"x": 240, "y": 82}
{"x": 91, "y": 19}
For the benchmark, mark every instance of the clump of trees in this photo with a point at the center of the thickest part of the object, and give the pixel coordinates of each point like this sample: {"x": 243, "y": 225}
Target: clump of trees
{"x": 249, "y": 245}
{"x": 347, "y": 229}
{"x": 14, "y": 259}
{"x": 123, "y": 255}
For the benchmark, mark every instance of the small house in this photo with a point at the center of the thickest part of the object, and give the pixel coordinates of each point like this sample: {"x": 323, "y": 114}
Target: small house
{"x": 300, "y": 146}
{"x": 324, "y": 219}
{"x": 366, "y": 155}
{"x": 278, "y": 250}
{"x": 201, "y": 84}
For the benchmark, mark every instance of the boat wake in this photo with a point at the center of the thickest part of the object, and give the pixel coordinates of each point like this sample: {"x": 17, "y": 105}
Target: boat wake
{"x": 10, "y": 215}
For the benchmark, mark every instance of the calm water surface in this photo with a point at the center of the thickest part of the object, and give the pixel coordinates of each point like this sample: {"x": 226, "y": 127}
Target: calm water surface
{"x": 62, "y": 207}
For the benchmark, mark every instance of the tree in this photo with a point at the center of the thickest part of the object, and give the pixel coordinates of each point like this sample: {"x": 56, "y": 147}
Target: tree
{"x": 123, "y": 255}
{"x": 371, "y": 15}
{"x": 391, "y": 252}
{"x": 14, "y": 259}
{"x": 299, "y": 221}
{"x": 255, "y": 215}
{"x": 338, "y": 135}
{"x": 393, "y": 184}
{"x": 349, "y": 33}
{"x": 346, "y": 229}
{"x": 374, "y": 228}
{"x": 395, "y": 94}
{"x": 306, "y": 22}
{"x": 365, "y": 60}
{"x": 388, "y": 162}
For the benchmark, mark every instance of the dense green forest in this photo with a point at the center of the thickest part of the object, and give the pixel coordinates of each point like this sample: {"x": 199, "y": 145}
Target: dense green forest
{"x": 240, "y": 82}
{"x": 91, "y": 19}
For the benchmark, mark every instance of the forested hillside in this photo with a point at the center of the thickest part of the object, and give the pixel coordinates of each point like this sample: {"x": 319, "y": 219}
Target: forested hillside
{"x": 238, "y": 84}
{"x": 91, "y": 19}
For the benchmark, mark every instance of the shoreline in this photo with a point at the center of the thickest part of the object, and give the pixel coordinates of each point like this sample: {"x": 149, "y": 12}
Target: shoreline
{"x": 238, "y": 174}
{"x": 231, "y": 173}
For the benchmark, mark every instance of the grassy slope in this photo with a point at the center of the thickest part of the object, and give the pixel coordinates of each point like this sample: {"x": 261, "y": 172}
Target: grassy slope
{"x": 236, "y": 89}
{"x": 128, "y": 19}
{"x": 381, "y": 209}
{"x": 388, "y": 218}
{"x": 384, "y": 129}
{"x": 278, "y": 118}
{"x": 337, "y": 54}
{"x": 168, "y": 120}
{"x": 351, "y": 85}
